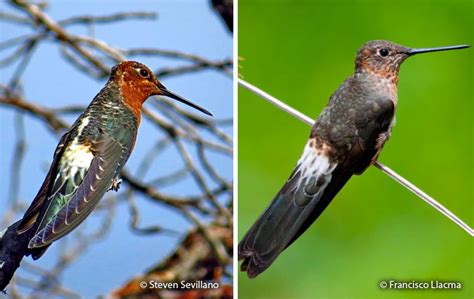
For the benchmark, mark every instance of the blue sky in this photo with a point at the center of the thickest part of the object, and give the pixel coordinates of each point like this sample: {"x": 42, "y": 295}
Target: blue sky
{"x": 188, "y": 26}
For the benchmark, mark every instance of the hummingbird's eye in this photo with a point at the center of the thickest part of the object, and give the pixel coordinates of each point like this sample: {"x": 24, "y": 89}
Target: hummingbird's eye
{"x": 383, "y": 52}
{"x": 144, "y": 73}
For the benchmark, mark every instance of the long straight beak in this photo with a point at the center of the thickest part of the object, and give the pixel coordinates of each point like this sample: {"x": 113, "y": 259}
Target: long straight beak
{"x": 426, "y": 50}
{"x": 166, "y": 92}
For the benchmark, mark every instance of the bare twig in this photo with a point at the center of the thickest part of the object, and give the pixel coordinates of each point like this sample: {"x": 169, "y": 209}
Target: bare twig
{"x": 81, "y": 20}
{"x": 62, "y": 36}
{"x": 14, "y": 18}
{"x": 220, "y": 65}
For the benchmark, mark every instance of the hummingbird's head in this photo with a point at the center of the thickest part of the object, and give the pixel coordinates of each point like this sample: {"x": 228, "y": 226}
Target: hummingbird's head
{"x": 137, "y": 83}
{"x": 383, "y": 58}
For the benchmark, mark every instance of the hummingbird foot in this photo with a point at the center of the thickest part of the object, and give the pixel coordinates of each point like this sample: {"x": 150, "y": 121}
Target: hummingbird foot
{"x": 115, "y": 184}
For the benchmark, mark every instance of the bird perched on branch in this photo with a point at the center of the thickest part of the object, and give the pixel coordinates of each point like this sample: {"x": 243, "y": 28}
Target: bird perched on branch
{"x": 346, "y": 138}
{"x": 89, "y": 157}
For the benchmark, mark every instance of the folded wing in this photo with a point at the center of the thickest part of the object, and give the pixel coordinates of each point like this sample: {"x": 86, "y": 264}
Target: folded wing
{"x": 288, "y": 213}
{"x": 78, "y": 187}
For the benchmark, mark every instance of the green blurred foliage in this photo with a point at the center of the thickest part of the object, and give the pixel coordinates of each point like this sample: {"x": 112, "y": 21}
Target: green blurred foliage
{"x": 300, "y": 52}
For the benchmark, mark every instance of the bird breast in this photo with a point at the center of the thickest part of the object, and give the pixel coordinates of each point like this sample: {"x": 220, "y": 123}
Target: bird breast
{"x": 389, "y": 88}
{"x": 380, "y": 87}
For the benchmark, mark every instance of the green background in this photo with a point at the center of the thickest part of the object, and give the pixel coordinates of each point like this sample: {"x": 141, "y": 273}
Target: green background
{"x": 300, "y": 52}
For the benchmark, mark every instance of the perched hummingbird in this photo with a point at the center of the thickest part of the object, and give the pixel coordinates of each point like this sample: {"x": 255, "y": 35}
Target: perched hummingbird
{"x": 89, "y": 157}
{"x": 346, "y": 138}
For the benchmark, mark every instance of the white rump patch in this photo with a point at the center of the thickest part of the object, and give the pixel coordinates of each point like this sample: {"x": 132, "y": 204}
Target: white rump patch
{"x": 314, "y": 162}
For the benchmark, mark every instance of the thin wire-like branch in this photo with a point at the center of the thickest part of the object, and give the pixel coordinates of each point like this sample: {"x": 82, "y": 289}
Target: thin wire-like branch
{"x": 428, "y": 199}
{"x": 15, "y": 79}
{"x": 16, "y": 40}
{"x": 81, "y": 20}
{"x": 14, "y": 18}
{"x": 166, "y": 53}
{"x": 58, "y": 290}
{"x": 39, "y": 112}
{"x": 6, "y": 61}
{"x": 220, "y": 65}
{"x": 135, "y": 220}
{"x": 17, "y": 159}
{"x": 392, "y": 174}
{"x": 61, "y": 35}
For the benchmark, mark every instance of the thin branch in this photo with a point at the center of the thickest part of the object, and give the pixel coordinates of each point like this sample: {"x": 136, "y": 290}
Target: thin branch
{"x": 39, "y": 112}
{"x": 14, "y": 19}
{"x": 98, "y": 44}
{"x": 392, "y": 174}
{"x": 166, "y": 53}
{"x": 135, "y": 220}
{"x": 60, "y": 34}
{"x": 16, "y": 40}
{"x": 24, "y": 61}
{"x": 18, "y": 156}
{"x": 81, "y": 20}
{"x": 220, "y": 65}
{"x": 199, "y": 179}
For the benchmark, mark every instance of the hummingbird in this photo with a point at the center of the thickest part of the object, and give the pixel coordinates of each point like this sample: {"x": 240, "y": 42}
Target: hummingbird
{"x": 89, "y": 157}
{"x": 345, "y": 139}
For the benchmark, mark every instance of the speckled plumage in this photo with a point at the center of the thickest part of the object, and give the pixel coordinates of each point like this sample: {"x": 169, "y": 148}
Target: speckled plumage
{"x": 346, "y": 138}
{"x": 360, "y": 110}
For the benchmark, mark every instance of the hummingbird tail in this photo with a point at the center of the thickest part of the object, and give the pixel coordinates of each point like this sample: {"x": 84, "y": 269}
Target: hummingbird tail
{"x": 311, "y": 187}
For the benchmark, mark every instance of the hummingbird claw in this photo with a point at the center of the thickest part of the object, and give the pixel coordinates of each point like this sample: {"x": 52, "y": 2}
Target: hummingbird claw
{"x": 380, "y": 141}
{"x": 115, "y": 184}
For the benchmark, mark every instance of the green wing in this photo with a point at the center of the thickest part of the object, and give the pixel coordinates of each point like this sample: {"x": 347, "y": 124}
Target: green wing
{"x": 31, "y": 215}
{"x": 76, "y": 192}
